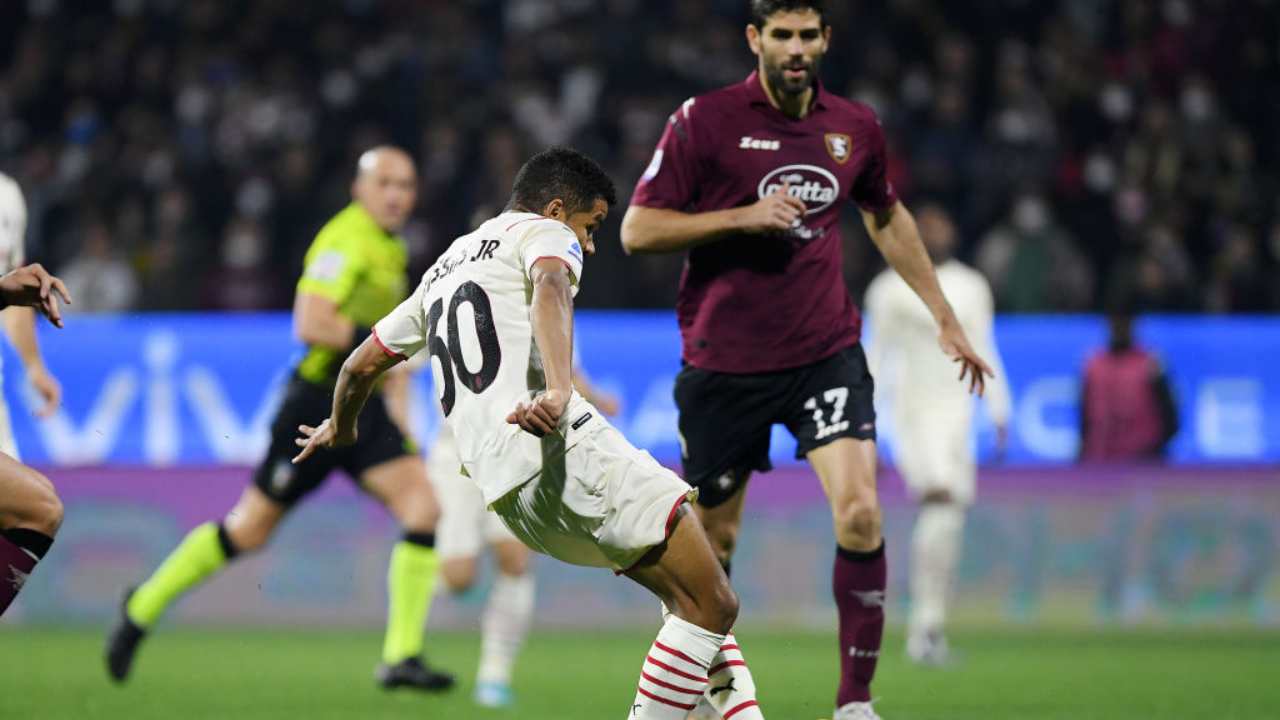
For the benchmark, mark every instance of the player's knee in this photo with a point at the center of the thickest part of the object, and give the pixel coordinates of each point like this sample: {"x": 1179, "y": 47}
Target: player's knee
{"x": 514, "y": 564}
{"x": 722, "y": 612}
{"x": 858, "y": 524}
{"x": 459, "y": 574}
{"x": 46, "y": 515}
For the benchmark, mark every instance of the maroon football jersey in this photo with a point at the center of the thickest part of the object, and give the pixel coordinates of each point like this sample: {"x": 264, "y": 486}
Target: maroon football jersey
{"x": 756, "y": 303}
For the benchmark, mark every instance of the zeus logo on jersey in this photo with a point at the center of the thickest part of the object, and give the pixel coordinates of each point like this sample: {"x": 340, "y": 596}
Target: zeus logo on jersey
{"x": 817, "y": 187}
{"x": 750, "y": 143}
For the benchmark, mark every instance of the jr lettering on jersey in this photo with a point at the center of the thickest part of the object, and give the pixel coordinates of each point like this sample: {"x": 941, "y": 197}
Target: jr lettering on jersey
{"x": 445, "y": 266}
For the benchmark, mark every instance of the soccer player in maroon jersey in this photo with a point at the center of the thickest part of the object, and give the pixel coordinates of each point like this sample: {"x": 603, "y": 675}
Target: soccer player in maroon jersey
{"x": 30, "y": 511}
{"x": 750, "y": 180}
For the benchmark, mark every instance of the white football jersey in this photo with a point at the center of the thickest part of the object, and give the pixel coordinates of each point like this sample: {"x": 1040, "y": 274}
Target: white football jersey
{"x": 918, "y": 379}
{"x": 13, "y": 225}
{"x": 471, "y": 314}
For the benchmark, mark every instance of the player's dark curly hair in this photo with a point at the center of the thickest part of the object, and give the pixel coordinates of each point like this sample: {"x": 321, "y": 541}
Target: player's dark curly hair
{"x": 762, "y": 10}
{"x": 565, "y": 173}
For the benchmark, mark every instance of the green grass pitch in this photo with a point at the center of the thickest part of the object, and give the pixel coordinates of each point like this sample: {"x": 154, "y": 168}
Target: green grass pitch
{"x": 52, "y": 674}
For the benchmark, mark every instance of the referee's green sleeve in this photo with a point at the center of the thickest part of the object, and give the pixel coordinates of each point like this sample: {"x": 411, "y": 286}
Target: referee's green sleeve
{"x": 331, "y": 269}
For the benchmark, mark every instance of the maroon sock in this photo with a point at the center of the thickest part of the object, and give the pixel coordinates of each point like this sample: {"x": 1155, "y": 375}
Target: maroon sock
{"x": 20, "y": 550}
{"x": 858, "y": 582}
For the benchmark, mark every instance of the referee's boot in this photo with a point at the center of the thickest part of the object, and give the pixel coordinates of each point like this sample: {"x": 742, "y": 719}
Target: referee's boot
{"x": 122, "y": 643}
{"x": 413, "y": 673}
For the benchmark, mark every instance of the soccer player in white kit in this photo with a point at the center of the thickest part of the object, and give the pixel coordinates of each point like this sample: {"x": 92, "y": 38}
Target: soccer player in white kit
{"x": 466, "y": 527}
{"x": 933, "y": 417}
{"x": 495, "y": 313}
{"x": 20, "y": 321}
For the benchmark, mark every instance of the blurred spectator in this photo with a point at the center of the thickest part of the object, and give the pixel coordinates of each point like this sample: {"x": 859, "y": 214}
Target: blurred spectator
{"x": 1147, "y": 129}
{"x": 97, "y": 278}
{"x": 1033, "y": 263}
{"x": 243, "y": 280}
{"x": 1127, "y": 410}
{"x": 1240, "y": 281}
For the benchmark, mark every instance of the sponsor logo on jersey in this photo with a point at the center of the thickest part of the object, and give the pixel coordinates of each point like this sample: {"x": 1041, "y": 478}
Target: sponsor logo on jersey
{"x": 750, "y": 143}
{"x": 576, "y": 250}
{"x": 840, "y": 147}
{"x": 581, "y": 421}
{"x": 816, "y": 186}
{"x": 860, "y": 653}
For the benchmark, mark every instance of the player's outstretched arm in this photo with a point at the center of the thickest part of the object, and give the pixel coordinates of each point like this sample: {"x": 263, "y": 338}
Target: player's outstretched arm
{"x": 658, "y": 230}
{"x": 551, "y": 314}
{"x": 356, "y": 380}
{"x": 20, "y": 326}
{"x": 895, "y": 233}
{"x": 33, "y": 286}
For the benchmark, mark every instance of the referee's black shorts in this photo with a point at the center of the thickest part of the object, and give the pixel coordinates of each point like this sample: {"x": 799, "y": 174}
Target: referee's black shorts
{"x": 726, "y": 418}
{"x": 306, "y": 403}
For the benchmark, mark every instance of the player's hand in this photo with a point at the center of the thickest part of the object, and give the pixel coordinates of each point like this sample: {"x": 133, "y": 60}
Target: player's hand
{"x": 541, "y": 415}
{"x": 776, "y": 212}
{"x": 33, "y": 286}
{"x": 49, "y": 388}
{"x": 325, "y": 436}
{"x": 956, "y": 345}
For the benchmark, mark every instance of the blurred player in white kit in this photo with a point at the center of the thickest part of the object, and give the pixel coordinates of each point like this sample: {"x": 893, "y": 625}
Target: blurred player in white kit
{"x": 933, "y": 417}
{"x": 19, "y": 321}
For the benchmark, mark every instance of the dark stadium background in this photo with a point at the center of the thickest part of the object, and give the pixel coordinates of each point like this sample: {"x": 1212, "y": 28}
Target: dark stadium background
{"x": 159, "y": 139}
{"x": 178, "y": 156}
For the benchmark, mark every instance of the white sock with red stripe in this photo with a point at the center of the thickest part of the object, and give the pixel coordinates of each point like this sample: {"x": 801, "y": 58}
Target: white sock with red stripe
{"x": 732, "y": 691}
{"x": 504, "y": 626}
{"x": 674, "y": 674}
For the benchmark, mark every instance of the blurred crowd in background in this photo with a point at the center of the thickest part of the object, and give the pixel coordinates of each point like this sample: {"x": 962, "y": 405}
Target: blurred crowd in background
{"x": 181, "y": 154}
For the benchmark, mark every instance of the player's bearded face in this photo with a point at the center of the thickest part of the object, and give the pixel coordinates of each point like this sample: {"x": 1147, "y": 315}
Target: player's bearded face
{"x": 791, "y": 49}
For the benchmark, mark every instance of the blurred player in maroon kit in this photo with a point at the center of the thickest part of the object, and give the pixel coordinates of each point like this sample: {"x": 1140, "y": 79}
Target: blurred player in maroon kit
{"x": 750, "y": 180}
{"x": 30, "y": 511}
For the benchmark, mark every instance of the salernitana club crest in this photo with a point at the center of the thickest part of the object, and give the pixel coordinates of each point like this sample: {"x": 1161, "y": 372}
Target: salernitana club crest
{"x": 840, "y": 146}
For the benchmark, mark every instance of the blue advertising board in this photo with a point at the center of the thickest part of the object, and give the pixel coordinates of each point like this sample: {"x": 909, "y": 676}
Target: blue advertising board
{"x": 199, "y": 389}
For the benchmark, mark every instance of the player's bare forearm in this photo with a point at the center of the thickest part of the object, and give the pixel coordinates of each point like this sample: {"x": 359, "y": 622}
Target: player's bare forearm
{"x": 551, "y": 313}
{"x": 895, "y": 234}
{"x": 356, "y": 381}
{"x": 657, "y": 230}
{"x": 20, "y": 326}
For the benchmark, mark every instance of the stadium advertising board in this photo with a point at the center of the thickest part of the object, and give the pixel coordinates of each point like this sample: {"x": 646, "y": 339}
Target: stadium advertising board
{"x": 197, "y": 390}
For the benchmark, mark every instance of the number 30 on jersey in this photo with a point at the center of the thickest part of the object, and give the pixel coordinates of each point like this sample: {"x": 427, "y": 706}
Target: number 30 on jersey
{"x": 449, "y": 354}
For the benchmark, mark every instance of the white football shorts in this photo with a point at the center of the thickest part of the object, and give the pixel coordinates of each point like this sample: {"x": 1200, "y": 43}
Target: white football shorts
{"x": 606, "y": 504}
{"x": 938, "y": 457}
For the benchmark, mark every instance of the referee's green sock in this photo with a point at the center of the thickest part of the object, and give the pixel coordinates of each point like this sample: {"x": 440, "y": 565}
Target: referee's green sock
{"x": 202, "y": 553}
{"x": 411, "y": 581}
